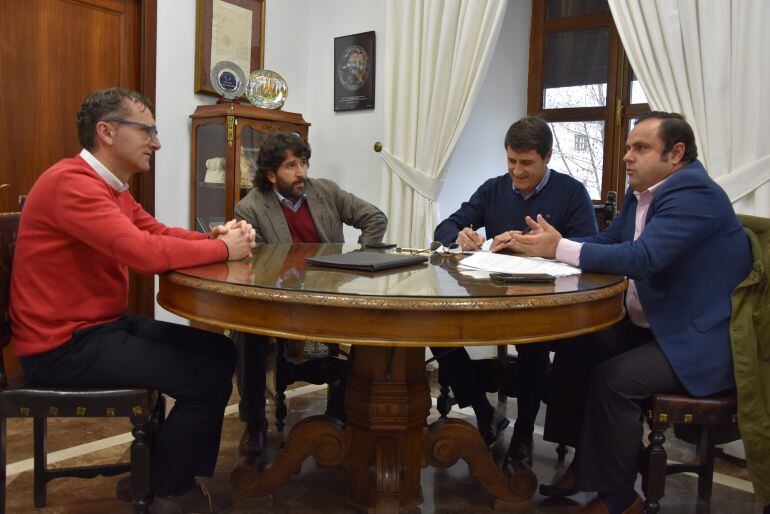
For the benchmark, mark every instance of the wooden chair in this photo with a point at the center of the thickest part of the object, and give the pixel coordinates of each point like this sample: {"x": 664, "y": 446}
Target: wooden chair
{"x": 606, "y": 212}
{"x": 20, "y": 400}
{"x": 705, "y": 422}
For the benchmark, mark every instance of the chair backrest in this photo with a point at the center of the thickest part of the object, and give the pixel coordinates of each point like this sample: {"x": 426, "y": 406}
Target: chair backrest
{"x": 606, "y": 212}
{"x": 9, "y": 227}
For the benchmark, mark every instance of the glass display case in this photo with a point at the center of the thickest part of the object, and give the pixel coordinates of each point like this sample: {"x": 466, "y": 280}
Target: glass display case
{"x": 225, "y": 142}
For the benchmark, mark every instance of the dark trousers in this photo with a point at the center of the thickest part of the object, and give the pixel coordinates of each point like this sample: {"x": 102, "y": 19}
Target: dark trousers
{"x": 193, "y": 366}
{"x": 631, "y": 367}
{"x": 251, "y": 373}
{"x": 531, "y": 376}
{"x": 566, "y": 391}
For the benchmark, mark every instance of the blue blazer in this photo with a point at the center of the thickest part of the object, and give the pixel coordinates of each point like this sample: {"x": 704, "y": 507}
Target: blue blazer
{"x": 688, "y": 260}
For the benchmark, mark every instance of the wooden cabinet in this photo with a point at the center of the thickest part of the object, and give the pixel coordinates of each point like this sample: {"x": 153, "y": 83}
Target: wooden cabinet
{"x": 225, "y": 142}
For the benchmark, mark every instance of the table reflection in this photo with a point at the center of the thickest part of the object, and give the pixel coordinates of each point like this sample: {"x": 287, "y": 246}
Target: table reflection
{"x": 284, "y": 266}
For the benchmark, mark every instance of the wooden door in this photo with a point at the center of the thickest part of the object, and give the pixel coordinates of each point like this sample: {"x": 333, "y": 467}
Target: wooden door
{"x": 53, "y": 53}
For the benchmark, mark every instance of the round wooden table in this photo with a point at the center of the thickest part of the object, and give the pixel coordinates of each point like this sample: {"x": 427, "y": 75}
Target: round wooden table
{"x": 391, "y": 316}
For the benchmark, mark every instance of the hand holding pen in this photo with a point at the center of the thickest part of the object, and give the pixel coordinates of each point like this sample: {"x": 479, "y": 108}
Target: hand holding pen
{"x": 505, "y": 241}
{"x": 469, "y": 239}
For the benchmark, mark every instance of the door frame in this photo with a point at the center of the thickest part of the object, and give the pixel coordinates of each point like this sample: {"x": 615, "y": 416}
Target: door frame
{"x": 145, "y": 193}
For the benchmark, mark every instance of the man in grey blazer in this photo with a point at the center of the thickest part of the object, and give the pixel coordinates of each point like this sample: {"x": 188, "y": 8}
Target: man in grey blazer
{"x": 286, "y": 206}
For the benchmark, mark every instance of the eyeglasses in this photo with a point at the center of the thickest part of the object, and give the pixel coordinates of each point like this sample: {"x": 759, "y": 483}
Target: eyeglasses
{"x": 150, "y": 129}
{"x": 435, "y": 247}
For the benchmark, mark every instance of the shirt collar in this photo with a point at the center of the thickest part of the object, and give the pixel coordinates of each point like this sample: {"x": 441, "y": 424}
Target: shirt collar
{"x": 538, "y": 188}
{"x": 288, "y": 203}
{"x": 651, "y": 190}
{"x": 103, "y": 172}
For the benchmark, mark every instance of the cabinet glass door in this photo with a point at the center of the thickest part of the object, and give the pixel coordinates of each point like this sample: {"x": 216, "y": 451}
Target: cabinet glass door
{"x": 251, "y": 140}
{"x": 210, "y": 176}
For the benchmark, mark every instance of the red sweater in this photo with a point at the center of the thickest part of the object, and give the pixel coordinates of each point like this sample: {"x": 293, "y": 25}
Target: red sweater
{"x": 301, "y": 224}
{"x": 77, "y": 239}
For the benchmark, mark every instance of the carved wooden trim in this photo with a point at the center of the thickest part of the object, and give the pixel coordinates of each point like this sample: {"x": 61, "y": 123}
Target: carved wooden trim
{"x": 397, "y": 303}
{"x": 317, "y": 436}
{"x": 449, "y": 440}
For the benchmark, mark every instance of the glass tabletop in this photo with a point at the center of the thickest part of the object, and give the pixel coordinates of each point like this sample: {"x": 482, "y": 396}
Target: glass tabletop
{"x": 284, "y": 267}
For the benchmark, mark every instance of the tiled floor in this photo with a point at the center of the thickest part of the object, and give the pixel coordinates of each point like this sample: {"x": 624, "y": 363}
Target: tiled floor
{"x": 316, "y": 489}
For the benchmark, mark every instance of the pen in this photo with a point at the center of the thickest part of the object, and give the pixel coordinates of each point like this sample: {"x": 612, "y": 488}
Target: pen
{"x": 527, "y": 229}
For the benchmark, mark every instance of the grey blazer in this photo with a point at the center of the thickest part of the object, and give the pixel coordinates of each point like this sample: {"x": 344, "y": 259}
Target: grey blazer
{"x": 329, "y": 206}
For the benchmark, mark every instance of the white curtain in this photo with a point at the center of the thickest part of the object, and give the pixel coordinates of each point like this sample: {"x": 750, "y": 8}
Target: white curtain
{"x": 437, "y": 54}
{"x": 709, "y": 60}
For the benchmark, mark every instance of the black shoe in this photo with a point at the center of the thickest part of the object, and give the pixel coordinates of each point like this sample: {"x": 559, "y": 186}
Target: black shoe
{"x": 520, "y": 449}
{"x": 254, "y": 438}
{"x": 564, "y": 487}
{"x": 492, "y": 428}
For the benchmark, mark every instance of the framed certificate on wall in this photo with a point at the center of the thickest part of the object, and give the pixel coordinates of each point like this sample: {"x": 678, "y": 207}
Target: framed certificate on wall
{"x": 228, "y": 30}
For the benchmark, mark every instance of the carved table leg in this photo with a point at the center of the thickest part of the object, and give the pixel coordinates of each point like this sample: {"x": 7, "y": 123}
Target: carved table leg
{"x": 388, "y": 402}
{"x": 318, "y": 436}
{"x": 451, "y": 439}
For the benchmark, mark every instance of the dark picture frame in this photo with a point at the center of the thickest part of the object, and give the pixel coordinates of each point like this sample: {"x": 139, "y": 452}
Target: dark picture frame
{"x": 354, "y": 71}
{"x": 232, "y": 13}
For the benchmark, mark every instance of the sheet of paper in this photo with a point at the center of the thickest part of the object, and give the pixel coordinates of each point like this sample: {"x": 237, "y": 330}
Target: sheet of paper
{"x": 499, "y": 263}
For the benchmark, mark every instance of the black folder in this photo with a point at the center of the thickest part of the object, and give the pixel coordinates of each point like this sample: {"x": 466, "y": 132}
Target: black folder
{"x": 367, "y": 261}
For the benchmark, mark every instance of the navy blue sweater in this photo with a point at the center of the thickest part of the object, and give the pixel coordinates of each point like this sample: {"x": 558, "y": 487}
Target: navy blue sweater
{"x": 564, "y": 202}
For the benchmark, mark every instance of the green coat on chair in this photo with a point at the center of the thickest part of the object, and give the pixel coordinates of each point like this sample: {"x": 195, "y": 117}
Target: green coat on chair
{"x": 750, "y": 338}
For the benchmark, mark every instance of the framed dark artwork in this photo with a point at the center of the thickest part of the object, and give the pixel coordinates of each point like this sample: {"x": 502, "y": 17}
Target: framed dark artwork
{"x": 228, "y": 30}
{"x": 354, "y": 64}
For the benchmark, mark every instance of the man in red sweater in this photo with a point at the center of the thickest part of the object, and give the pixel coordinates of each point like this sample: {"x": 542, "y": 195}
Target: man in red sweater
{"x": 80, "y": 232}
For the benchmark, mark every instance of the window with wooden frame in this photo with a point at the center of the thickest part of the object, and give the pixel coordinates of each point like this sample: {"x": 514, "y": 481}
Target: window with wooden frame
{"x": 581, "y": 82}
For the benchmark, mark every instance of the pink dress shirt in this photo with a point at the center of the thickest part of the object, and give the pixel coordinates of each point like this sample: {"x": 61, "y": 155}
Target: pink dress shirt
{"x": 569, "y": 252}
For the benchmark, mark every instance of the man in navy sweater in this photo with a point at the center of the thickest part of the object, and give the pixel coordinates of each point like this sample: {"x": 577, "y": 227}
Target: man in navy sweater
{"x": 501, "y": 205}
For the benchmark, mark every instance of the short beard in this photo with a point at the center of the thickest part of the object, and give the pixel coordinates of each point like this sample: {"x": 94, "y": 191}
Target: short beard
{"x": 289, "y": 192}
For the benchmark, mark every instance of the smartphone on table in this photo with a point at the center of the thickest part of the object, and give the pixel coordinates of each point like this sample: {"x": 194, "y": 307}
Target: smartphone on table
{"x": 515, "y": 278}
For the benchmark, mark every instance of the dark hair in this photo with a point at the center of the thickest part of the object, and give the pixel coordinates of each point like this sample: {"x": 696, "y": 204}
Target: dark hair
{"x": 530, "y": 133}
{"x": 273, "y": 152}
{"x": 104, "y": 104}
{"x": 674, "y": 129}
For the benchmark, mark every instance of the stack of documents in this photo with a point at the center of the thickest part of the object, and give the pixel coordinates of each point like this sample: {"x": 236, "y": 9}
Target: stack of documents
{"x": 499, "y": 263}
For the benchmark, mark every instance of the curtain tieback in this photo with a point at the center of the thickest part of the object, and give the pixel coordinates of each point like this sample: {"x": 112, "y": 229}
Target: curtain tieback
{"x": 745, "y": 179}
{"x": 428, "y": 187}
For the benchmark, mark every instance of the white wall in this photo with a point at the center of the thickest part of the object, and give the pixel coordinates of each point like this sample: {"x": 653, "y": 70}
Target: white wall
{"x": 299, "y": 41}
{"x": 342, "y": 141}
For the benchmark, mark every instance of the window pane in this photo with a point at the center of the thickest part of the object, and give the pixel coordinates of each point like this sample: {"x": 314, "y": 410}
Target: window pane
{"x": 637, "y": 93}
{"x": 593, "y": 95}
{"x": 565, "y": 8}
{"x": 578, "y": 150}
{"x": 576, "y": 69}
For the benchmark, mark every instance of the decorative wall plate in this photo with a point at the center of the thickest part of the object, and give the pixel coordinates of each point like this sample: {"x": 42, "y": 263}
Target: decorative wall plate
{"x": 267, "y": 89}
{"x": 228, "y": 79}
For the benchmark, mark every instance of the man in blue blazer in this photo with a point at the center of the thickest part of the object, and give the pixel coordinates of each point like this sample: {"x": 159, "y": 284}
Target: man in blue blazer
{"x": 684, "y": 251}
